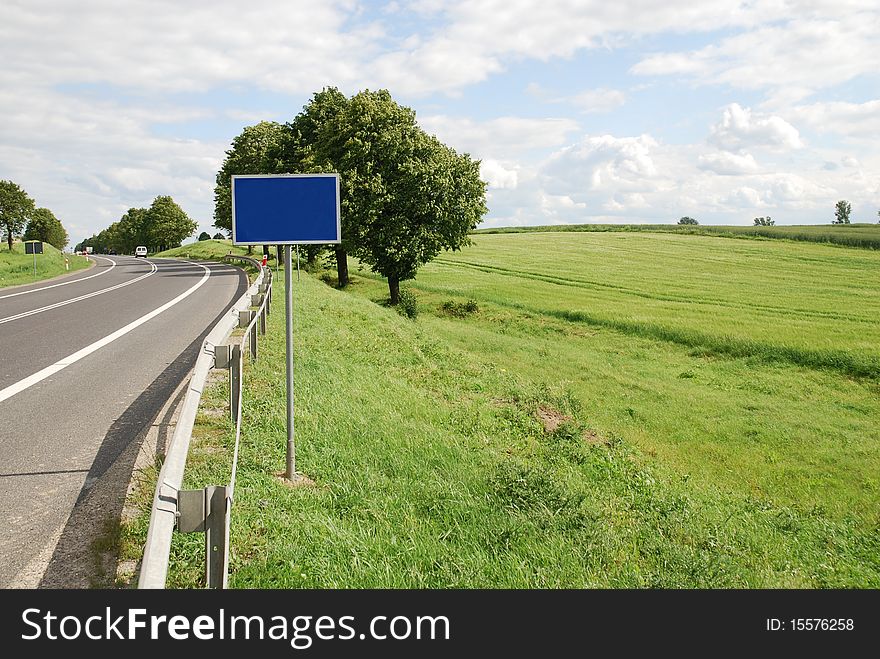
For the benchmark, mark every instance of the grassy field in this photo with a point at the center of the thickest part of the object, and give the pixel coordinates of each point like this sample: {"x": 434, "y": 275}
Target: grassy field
{"x": 862, "y": 235}
{"x": 512, "y": 443}
{"x": 209, "y": 250}
{"x": 17, "y": 268}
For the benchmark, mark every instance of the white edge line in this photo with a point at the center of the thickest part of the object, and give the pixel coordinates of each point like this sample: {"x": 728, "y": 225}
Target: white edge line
{"x": 25, "y": 314}
{"x": 61, "y": 364}
{"x": 65, "y": 283}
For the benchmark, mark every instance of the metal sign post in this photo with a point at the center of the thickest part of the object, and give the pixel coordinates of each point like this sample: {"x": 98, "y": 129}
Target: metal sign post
{"x": 290, "y": 471}
{"x": 33, "y": 247}
{"x": 285, "y": 210}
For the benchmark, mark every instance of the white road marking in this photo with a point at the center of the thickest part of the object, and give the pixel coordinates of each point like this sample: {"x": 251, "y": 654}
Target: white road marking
{"x": 61, "y": 364}
{"x": 65, "y": 283}
{"x": 25, "y": 314}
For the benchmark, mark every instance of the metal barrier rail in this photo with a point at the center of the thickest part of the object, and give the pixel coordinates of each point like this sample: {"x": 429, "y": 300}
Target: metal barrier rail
{"x": 207, "y": 510}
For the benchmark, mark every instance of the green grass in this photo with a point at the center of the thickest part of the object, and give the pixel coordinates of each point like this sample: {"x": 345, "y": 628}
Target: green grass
{"x": 209, "y": 250}
{"x": 674, "y": 466}
{"x": 850, "y": 235}
{"x": 801, "y": 303}
{"x": 17, "y": 268}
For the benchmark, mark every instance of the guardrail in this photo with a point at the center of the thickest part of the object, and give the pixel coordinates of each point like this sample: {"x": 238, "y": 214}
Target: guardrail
{"x": 207, "y": 510}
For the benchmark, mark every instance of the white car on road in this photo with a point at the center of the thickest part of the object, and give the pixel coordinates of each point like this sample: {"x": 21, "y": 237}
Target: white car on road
{"x": 140, "y": 250}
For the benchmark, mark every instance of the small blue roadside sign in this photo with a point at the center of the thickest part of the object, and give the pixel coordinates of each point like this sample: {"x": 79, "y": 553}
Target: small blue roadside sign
{"x": 285, "y": 209}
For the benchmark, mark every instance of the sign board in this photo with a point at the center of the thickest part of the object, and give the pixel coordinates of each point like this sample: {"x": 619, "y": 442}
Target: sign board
{"x": 33, "y": 247}
{"x": 285, "y": 209}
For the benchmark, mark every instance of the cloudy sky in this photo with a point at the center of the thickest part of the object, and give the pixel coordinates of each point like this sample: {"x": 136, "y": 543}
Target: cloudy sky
{"x": 580, "y": 110}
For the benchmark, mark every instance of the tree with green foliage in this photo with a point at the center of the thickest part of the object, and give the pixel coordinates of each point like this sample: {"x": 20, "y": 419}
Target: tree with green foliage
{"x": 687, "y": 221}
{"x": 841, "y": 212}
{"x": 255, "y": 151}
{"x": 405, "y": 195}
{"x": 15, "y": 210}
{"x": 204, "y": 235}
{"x": 300, "y": 153}
{"x": 219, "y": 236}
{"x": 132, "y": 229}
{"x": 168, "y": 224}
{"x": 764, "y": 222}
{"x": 46, "y": 227}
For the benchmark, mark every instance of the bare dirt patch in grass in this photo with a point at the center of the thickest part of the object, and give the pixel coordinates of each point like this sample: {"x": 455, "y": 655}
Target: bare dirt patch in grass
{"x": 298, "y": 480}
{"x": 551, "y": 418}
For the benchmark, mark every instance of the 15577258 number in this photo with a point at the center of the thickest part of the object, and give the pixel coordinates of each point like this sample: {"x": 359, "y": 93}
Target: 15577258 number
{"x": 821, "y": 624}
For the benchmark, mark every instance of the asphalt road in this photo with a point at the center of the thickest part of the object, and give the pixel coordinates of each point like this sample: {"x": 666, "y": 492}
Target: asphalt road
{"x": 86, "y": 363}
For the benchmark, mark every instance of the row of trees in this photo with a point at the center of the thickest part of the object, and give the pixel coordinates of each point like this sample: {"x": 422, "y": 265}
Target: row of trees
{"x": 405, "y": 196}
{"x": 842, "y": 211}
{"x": 161, "y": 226}
{"x": 19, "y": 213}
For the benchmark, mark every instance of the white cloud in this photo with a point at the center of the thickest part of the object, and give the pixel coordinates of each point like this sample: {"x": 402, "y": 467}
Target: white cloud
{"x": 741, "y": 128}
{"x": 184, "y": 46}
{"x": 598, "y": 100}
{"x": 724, "y": 162}
{"x": 603, "y": 163}
{"x": 497, "y": 175}
{"x": 817, "y": 46}
{"x": 501, "y": 138}
{"x": 90, "y": 160}
{"x": 850, "y": 119}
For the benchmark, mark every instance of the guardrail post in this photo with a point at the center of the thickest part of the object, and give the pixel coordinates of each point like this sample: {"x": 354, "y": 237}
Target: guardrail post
{"x": 234, "y": 381}
{"x": 222, "y": 356}
{"x": 215, "y": 535}
{"x": 263, "y": 319}
{"x": 244, "y": 318}
{"x": 253, "y": 342}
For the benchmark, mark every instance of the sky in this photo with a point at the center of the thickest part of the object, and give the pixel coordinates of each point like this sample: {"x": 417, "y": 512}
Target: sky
{"x": 580, "y": 111}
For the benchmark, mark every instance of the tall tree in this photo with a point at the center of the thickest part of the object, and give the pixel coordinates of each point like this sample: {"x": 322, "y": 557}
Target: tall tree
{"x": 46, "y": 227}
{"x": 405, "y": 195}
{"x": 687, "y": 221}
{"x": 842, "y": 209}
{"x": 255, "y": 151}
{"x": 300, "y": 153}
{"x": 133, "y": 229}
{"x": 168, "y": 224}
{"x": 15, "y": 210}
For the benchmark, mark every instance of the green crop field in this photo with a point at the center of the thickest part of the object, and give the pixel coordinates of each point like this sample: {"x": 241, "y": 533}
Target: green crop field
{"x": 567, "y": 410}
{"x": 850, "y": 235}
{"x": 17, "y": 268}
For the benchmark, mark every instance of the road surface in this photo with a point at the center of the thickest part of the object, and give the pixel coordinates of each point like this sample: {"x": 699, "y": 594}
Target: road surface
{"x": 86, "y": 364}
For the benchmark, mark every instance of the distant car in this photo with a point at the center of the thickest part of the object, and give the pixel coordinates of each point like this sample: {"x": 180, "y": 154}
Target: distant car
{"x": 140, "y": 250}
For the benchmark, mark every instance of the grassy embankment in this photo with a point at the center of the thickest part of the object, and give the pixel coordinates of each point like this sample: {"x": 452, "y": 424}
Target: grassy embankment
{"x": 207, "y": 249}
{"x": 17, "y": 268}
{"x": 849, "y": 235}
{"x": 696, "y": 447}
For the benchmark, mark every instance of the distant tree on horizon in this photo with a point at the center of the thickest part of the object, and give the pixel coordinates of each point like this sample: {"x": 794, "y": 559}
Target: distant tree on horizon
{"x": 842, "y": 211}
{"x": 764, "y": 222}
{"x": 687, "y": 221}
{"x": 204, "y": 235}
{"x": 219, "y": 236}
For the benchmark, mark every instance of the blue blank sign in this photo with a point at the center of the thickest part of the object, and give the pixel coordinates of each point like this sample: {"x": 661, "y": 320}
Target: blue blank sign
{"x": 285, "y": 209}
